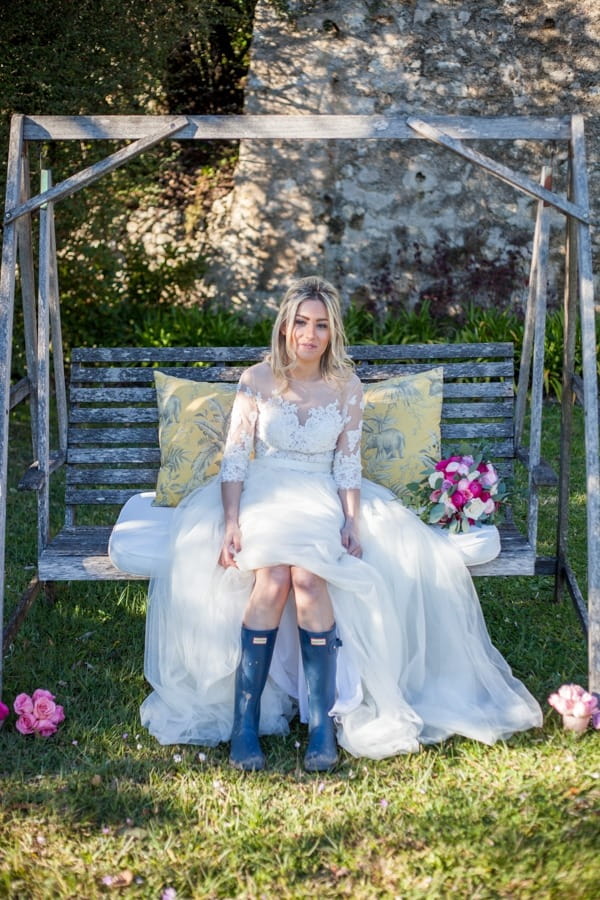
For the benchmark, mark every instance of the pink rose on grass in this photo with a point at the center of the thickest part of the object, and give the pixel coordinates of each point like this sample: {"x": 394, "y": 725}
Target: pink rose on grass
{"x": 45, "y": 727}
{"x": 4, "y": 712}
{"x": 41, "y": 692}
{"x": 43, "y": 707}
{"x": 38, "y": 714}
{"x": 26, "y": 723}
{"x": 573, "y": 700}
{"x": 23, "y": 704}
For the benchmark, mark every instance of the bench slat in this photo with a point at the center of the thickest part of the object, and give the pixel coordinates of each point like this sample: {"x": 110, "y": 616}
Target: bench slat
{"x": 477, "y": 431}
{"x": 452, "y": 390}
{"x": 113, "y": 455}
{"x": 98, "y": 475}
{"x": 104, "y": 414}
{"x": 478, "y": 389}
{"x": 82, "y": 555}
{"x": 103, "y": 496}
{"x": 366, "y": 371}
{"x": 502, "y": 409}
{"x": 122, "y": 435}
{"x": 231, "y": 354}
{"x": 137, "y": 414}
{"x": 166, "y": 354}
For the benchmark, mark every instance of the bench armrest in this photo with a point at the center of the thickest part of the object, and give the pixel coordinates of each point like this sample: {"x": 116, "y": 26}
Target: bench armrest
{"x": 33, "y": 479}
{"x": 543, "y": 474}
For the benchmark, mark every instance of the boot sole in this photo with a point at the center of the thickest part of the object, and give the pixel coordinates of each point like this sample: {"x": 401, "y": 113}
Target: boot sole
{"x": 246, "y": 765}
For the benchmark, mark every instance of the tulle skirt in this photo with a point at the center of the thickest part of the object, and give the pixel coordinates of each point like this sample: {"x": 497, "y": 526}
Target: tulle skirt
{"x": 416, "y": 663}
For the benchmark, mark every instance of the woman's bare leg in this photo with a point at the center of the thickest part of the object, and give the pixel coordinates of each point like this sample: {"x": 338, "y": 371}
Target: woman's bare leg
{"x": 313, "y": 605}
{"x": 268, "y": 597}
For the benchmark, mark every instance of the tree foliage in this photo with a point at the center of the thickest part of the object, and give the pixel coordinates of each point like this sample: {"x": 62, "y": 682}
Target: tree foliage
{"x": 132, "y": 57}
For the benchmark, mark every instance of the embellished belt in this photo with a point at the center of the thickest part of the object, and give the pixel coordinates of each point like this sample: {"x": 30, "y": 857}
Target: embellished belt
{"x": 267, "y": 463}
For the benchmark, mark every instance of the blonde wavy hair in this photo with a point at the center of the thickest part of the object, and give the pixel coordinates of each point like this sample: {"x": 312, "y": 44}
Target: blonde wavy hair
{"x": 335, "y": 362}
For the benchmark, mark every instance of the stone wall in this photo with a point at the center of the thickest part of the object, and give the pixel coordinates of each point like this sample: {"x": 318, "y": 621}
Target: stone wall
{"x": 392, "y": 223}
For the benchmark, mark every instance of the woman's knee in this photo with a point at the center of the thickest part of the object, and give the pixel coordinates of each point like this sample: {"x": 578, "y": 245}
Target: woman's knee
{"x": 307, "y": 583}
{"x": 274, "y": 582}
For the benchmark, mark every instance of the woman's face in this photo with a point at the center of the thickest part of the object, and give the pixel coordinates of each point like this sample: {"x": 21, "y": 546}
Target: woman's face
{"x": 310, "y": 332}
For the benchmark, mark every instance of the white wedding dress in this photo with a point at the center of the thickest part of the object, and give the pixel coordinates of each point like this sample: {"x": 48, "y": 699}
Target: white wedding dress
{"x": 416, "y": 662}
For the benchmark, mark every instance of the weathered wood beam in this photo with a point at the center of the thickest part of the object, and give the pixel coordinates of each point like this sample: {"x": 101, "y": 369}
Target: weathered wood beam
{"x": 56, "y": 342}
{"x": 529, "y": 329}
{"x": 16, "y": 620}
{"x": 301, "y": 127}
{"x": 43, "y": 370}
{"x": 504, "y": 173}
{"x": 590, "y": 383}
{"x": 568, "y": 388}
{"x": 97, "y": 170}
{"x": 537, "y": 369}
{"x": 27, "y": 280}
{"x": 7, "y": 305}
{"x": 19, "y": 391}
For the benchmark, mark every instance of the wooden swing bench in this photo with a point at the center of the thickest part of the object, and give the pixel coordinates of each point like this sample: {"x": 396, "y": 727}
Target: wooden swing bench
{"x": 113, "y": 453}
{"x": 107, "y": 427}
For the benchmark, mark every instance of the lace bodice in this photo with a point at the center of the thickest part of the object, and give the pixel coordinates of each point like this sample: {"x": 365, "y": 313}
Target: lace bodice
{"x": 313, "y": 422}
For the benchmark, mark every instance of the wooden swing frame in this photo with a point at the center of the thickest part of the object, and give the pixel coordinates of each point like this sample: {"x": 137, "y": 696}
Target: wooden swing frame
{"x": 41, "y": 305}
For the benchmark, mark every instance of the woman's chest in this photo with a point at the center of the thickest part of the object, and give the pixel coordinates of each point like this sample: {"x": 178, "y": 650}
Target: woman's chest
{"x": 286, "y": 425}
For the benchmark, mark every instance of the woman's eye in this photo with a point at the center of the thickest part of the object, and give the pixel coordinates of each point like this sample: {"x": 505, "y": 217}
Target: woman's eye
{"x": 323, "y": 325}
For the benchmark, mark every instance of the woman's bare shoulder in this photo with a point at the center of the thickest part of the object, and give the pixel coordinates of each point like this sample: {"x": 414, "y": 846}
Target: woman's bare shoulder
{"x": 258, "y": 377}
{"x": 353, "y": 384}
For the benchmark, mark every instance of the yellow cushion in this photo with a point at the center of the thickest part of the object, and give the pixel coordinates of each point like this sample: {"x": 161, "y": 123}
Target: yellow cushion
{"x": 193, "y": 418}
{"x": 401, "y": 428}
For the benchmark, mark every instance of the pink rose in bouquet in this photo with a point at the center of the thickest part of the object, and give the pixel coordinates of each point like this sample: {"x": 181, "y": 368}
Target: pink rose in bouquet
{"x": 4, "y": 713}
{"x": 576, "y": 705}
{"x": 38, "y": 713}
{"x": 26, "y": 723}
{"x": 23, "y": 704}
{"x": 460, "y": 492}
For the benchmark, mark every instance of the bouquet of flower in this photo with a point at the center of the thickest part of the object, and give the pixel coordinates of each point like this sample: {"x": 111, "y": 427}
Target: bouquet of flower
{"x": 460, "y": 492}
{"x": 575, "y": 703}
{"x": 38, "y": 714}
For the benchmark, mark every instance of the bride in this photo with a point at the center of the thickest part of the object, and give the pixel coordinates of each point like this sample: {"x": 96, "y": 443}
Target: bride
{"x": 297, "y": 586}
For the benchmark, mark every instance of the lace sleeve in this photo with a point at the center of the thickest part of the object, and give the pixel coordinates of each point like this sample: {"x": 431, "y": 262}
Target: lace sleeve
{"x": 346, "y": 460}
{"x": 240, "y": 437}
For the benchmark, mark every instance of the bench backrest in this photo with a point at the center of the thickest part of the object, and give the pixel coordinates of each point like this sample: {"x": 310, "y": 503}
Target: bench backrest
{"x": 113, "y": 421}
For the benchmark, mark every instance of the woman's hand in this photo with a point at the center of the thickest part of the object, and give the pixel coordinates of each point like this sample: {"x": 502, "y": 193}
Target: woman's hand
{"x": 231, "y": 492}
{"x": 232, "y": 544}
{"x": 351, "y": 538}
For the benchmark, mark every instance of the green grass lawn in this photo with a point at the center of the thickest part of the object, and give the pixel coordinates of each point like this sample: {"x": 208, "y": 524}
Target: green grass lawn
{"x": 102, "y": 799}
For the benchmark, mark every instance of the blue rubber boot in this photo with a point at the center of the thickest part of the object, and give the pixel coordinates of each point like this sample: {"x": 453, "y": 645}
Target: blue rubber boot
{"x": 250, "y": 679}
{"x": 319, "y": 657}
